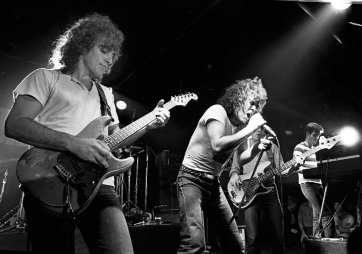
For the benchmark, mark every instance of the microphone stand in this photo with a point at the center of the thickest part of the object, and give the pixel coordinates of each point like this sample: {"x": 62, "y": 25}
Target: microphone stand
{"x": 128, "y": 202}
{"x": 320, "y": 228}
{"x": 146, "y": 185}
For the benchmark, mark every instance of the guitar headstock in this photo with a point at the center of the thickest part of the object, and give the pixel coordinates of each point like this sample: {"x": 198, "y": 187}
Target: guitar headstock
{"x": 183, "y": 99}
{"x": 329, "y": 142}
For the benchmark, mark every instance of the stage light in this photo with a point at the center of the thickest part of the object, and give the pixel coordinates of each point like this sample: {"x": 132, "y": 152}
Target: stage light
{"x": 349, "y": 136}
{"x": 121, "y": 105}
{"x": 340, "y": 5}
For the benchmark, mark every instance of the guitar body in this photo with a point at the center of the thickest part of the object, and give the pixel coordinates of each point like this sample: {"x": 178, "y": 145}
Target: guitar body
{"x": 257, "y": 185}
{"x": 61, "y": 182}
{"x": 255, "y": 189}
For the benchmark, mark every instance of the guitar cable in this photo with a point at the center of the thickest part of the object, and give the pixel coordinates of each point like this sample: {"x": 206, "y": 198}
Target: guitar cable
{"x": 67, "y": 201}
{"x": 281, "y": 199}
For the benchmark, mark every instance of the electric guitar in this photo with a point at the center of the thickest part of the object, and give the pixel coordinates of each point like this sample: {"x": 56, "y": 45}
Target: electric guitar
{"x": 64, "y": 184}
{"x": 257, "y": 187}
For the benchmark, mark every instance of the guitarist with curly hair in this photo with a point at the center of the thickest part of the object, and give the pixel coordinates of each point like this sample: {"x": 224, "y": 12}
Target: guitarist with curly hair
{"x": 57, "y": 111}
{"x": 221, "y": 128}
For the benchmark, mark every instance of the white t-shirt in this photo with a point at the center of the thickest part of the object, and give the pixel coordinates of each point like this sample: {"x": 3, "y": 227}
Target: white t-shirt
{"x": 199, "y": 155}
{"x": 68, "y": 106}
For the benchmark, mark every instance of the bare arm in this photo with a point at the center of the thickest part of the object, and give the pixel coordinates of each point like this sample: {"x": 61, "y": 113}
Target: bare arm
{"x": 299, "y": 161}
{"x": 249, "y": 154}
{"x": 20, "y": 125}
{"x": 221, "y": 143}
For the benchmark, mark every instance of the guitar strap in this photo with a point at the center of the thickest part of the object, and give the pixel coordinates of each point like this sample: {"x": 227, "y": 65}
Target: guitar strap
{"x": 270, "y": 155}
{"x": 105, "y": 109}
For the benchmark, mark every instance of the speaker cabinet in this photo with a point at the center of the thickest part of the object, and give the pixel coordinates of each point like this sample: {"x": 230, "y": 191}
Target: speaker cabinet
{"x": 325, "y": 246}
{"x": 153, "y": 238}
{"x": 160, "y": 239}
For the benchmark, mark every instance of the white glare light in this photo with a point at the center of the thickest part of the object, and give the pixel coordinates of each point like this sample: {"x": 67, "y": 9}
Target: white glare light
{"x": 349, "y": 136}
{"x": 121, "y": 105}
{"x": 340, "y": 5}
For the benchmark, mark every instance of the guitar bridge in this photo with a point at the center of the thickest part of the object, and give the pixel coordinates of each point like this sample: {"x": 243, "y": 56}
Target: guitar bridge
{"x": 63, "y": 172}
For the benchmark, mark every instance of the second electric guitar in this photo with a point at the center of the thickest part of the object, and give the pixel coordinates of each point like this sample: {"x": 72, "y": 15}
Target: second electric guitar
{"x": 257, "y": 186}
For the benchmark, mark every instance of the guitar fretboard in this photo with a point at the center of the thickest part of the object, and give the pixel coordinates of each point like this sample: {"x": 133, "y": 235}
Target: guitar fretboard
{"x": 115, "y": 140}
{"x": 275, "y": 171}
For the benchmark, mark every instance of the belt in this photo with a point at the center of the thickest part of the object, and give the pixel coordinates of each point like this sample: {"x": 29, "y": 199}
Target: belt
{"x": 198, "y": 173}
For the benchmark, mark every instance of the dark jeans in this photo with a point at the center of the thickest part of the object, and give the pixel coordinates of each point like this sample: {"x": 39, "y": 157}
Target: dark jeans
{"x": 265, "y": 208}
{"x": 203, "y": 196}
{"x": 314, "y": 193}
{"x": 102, "y": 225}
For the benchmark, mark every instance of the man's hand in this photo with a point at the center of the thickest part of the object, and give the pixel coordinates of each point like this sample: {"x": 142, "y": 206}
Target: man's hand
{"x": 162, "y": 116}
{"x": 264, "y": 144}
{"x": 303, "y": 236}
{"x": 92, "y": 150}
{"x": 322, "y": 139}
{"x": 235, "y": 180}
{"x": 299, "y": 160}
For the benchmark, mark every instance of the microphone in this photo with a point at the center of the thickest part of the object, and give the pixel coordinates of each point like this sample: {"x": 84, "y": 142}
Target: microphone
{"x": 268, "y": 130}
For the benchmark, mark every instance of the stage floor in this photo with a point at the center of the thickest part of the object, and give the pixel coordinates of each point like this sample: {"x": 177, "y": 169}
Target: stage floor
{"x": 160, "y": 239}
{"x": 143, "y": 237}
{"x": 151, "y": 238}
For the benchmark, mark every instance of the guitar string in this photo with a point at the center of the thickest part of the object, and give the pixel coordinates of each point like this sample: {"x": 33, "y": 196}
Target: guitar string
{"x": 113, "y": 140}
{"x": 255, "y": 181}
{"x": 73, "y": 167}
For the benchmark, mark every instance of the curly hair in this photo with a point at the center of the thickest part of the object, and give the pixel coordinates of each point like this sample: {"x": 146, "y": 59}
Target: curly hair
{"x": 242, "y": 92}
{"x": 81, "y": 36}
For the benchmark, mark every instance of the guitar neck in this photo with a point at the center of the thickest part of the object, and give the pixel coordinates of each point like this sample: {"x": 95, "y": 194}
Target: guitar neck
{"x": 116, "y": 139}
{"x": 276, "y": 171}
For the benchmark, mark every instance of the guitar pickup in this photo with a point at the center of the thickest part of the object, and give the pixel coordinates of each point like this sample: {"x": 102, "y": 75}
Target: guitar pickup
{"x": 233, "y": 194}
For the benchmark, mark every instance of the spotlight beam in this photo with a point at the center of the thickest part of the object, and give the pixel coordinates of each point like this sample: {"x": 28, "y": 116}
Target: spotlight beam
{"x": 311, "y": 15}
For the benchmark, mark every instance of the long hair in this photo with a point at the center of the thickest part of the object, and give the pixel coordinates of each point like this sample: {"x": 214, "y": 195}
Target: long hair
{"x": 81, "y": 36}
{"x": 242, "y": 92}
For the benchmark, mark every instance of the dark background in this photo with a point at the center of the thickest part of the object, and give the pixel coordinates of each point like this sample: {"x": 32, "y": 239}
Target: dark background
{"x": 308, "y": 57}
